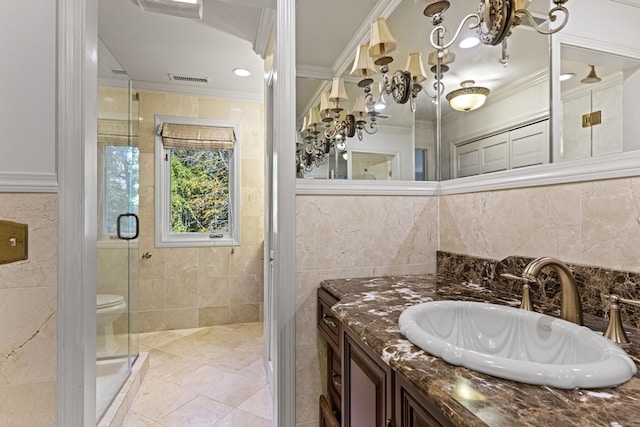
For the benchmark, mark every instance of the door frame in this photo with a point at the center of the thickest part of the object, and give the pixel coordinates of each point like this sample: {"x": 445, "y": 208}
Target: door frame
{"x": 76, "y": 140}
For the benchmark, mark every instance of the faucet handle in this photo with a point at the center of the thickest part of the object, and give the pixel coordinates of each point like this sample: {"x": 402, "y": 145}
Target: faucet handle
{"x": 615, "y": 331}
{"x": 525, "y": 304}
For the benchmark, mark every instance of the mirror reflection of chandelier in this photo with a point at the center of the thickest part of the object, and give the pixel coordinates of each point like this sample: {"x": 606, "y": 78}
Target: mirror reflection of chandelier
{"x": 329, "y": 125}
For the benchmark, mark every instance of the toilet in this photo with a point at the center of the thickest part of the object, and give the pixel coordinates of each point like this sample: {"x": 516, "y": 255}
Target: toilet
{"x": 109, "y": 308}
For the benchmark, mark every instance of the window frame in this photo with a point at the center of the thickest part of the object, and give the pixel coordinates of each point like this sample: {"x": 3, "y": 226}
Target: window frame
{"x": 163, "y": 235}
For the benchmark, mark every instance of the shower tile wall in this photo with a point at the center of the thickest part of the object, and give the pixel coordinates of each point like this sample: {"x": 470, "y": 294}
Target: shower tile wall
{"x": 28, "y": 315}
{"x": 192, "y": 287}
{"x": 351, "y": 236}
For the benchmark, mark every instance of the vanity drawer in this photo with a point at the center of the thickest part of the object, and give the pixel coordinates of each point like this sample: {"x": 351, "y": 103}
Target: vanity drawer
{"x": 329, "y": 326}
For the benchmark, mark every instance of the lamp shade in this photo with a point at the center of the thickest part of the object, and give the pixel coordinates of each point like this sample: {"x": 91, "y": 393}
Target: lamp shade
{"x": 314, "y": 117}
{"x": 382, "y": 42}
{"x": 592, "y": 77}
{"x": 359, "y": 109}
{"x": 363, "y": 65}
{"x": 338, "y": 92}
{"x": 468, "y": 97}
{"x": 415, "y": 67}
{"x": 304, "y": 124}
{"x": 325, "y": 106}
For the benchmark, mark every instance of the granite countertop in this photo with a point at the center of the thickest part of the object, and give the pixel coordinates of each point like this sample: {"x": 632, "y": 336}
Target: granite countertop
{"x": 371, "y": 307}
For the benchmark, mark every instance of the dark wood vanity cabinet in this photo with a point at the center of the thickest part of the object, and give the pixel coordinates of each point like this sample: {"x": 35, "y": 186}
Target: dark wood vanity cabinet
{"x": 330, "y": 329}
{"x": 413, "y": 409}
{"x": 363, "y": 391}
{"x": 367, "y": 387}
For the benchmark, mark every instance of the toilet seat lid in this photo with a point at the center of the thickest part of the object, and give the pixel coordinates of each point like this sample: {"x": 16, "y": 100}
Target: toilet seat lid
{"x": 109, "y": 300}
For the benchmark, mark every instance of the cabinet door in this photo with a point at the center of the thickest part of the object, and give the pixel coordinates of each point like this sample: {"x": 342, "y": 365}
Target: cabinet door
{"x": 413, "y": 409}
{"x": 366, "y": 393}
{"x": 327, "y": 416}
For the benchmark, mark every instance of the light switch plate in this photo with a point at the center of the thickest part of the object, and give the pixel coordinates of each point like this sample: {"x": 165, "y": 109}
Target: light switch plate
{"x": 13, "y": 242}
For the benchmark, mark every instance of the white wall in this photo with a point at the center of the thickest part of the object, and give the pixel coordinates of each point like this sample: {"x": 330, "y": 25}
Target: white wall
{"x": 608, "y": 21}
{"x": 520, "y": 107}
{"x": 28, "y": 96}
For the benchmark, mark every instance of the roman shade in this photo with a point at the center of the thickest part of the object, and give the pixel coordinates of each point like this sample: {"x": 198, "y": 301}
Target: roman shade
{"x": 121, "y": 133}
{"x": 193, "y": 137}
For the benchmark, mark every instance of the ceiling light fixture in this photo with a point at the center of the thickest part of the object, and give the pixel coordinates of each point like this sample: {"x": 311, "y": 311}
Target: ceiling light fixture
{"x": 566, "y": 76}
{"x": 592, "y": 77}
{"x": 241, "y": 72}
{"x": 191, "y": 9}
{"x": 468, "y": 97}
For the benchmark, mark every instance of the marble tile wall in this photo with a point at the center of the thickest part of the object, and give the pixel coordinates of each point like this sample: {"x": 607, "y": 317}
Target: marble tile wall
{"x": 592, "y": 223}
{"x": 592, "y": 226}
{"x": 351, "y": 236}
{"x": 191, "y": 287}
{"x": 28, "y": 315}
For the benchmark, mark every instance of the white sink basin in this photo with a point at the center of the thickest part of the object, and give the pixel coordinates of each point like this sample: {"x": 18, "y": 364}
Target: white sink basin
{"x": 516, "y": 344}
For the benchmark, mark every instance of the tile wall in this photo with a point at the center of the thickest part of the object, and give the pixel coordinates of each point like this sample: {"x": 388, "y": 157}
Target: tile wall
{"x": 191, "y": 287}
{"x": 28, "y": 315}
{"x": 351, "y": 236}
{"x": 592, "y": 223}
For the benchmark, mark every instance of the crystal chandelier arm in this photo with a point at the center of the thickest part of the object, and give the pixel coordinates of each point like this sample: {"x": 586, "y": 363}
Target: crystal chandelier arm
{"x": 552, "y": 18}
{"x": 439, "y": 31}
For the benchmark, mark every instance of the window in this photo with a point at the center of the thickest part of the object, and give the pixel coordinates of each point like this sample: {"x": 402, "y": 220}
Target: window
{"x": 197, "y": 182}
{"x": 121, "y": 183}
{"x": 119, "y": 178}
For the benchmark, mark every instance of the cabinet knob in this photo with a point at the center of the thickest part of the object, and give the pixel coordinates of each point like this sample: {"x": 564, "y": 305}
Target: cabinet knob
{"x": 337, "y": 381}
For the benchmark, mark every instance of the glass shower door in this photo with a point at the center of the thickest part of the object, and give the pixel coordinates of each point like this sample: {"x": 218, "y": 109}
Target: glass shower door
{"x": 118, "y": 225}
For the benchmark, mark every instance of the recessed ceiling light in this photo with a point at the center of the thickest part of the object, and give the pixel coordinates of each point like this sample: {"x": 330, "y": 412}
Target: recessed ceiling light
{"x": 566, "y": 76}
{"x": 469, "y": 42}
{"x": 241, "y": 72}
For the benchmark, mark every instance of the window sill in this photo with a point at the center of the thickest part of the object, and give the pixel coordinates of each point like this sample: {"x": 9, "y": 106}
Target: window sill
{"x": 195, "y": 242}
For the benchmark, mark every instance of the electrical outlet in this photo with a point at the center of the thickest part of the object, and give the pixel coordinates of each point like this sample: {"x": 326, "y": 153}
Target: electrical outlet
{"x": 13, "y": 242}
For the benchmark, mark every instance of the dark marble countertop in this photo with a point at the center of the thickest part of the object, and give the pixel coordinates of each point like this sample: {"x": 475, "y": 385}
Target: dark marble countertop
{"x": 371, "y": 307}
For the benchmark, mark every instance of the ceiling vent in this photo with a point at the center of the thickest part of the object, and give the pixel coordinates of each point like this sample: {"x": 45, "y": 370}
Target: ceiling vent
{"x": 119, "y": 72}
{"x": 188, "y": 79}
{"x": 181, "y": 8}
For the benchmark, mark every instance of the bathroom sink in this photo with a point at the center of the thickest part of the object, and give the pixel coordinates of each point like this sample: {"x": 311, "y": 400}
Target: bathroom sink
{"x": 516, "y": 344}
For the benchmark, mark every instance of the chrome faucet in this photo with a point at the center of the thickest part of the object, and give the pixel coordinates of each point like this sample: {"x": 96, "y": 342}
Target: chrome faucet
{"x": 571, "y": 307}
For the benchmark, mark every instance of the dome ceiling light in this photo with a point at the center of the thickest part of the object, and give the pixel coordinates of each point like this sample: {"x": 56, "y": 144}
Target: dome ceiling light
{"x": 468, "y": 97}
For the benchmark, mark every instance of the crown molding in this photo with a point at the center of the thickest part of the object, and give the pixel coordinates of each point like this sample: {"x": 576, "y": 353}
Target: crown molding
{"x": 265, "y": 28}
{"x": 314, "y": 72}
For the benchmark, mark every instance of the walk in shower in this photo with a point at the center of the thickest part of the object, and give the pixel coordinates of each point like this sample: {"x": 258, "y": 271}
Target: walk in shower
{"x": 118, "y": 225}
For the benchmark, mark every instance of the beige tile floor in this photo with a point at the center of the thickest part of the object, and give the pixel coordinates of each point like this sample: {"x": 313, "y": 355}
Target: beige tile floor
{"x": 203, "y": 377}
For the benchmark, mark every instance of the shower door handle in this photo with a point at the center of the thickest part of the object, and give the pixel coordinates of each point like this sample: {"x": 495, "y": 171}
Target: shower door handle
{"x": 119, "y": 228}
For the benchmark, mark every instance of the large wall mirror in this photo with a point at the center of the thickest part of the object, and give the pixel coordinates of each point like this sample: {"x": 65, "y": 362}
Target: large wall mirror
{"x": 519, "y": 125}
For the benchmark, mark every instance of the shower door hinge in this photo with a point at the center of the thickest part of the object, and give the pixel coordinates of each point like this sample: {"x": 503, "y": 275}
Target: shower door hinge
{"x": 592, "y": 119}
